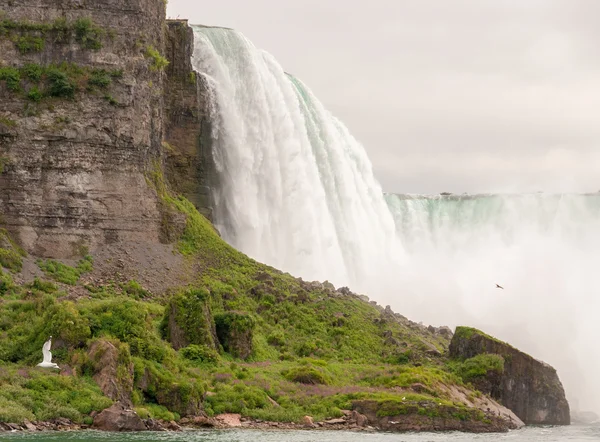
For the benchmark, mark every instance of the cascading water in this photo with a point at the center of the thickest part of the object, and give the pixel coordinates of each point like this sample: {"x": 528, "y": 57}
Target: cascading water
{"x": 296, "y": 191}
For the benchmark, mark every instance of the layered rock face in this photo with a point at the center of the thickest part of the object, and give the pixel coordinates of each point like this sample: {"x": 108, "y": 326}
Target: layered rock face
{"x": 528, "y": 387}
{"x": 74, "y": 167}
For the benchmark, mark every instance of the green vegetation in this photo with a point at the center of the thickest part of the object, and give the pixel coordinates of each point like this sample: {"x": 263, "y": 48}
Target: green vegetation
{"x": 479, "y": 366}
{"x": 158, "y": 62}
{"x": 243, "y": 337}
{"x": 31, "y": 37}
{"x": 64, "y": 273}
{"x": 63, "y": 80}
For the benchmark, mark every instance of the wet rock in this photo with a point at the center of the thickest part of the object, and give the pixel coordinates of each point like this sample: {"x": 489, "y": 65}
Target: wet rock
{"x": 118, "y": 418}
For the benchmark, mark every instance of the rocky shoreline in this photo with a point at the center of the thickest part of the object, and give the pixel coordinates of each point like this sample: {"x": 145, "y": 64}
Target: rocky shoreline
{"x": 118, "y": 418}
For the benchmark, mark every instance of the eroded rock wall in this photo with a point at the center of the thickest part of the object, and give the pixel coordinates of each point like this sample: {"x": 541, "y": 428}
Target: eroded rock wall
{"x": 73, "y": 172}
{"x": 528, "y": 387}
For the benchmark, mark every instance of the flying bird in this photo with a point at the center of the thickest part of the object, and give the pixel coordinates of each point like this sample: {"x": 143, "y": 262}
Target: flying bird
{"x": 47, "y": 362}
{"x": 499, "y": 287}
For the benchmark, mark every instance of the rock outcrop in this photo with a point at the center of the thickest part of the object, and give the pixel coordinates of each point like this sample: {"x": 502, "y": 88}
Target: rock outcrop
{"x": 189, "y": 164}
{"x": 113, "y": 369}
{"x": 118, "y": 418}
{"x": 81, "y": 119}
{"x": 528, "y": 387}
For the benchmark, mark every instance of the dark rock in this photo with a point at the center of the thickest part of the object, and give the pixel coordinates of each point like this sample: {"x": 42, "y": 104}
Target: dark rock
{"x": 528, "y": 387}
{"x": 118, "y": 418}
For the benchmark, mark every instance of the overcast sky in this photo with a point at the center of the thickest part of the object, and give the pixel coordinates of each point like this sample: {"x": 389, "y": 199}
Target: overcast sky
{"x": 460, "y": 96}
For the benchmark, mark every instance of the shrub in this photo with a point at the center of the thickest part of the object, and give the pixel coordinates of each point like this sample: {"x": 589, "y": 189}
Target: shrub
{"x": 87, "y": 34}
{"x": 199, "y": 353}
{"x": 159, "y": 63}
{"x": 59, "y": 84}
{"x": 12, "y": 77}
{"x": 307, "y": 374}
{"x": 32, "y": 71}
{"x": 28, "y": 43}
{"x": 99, "y": 78}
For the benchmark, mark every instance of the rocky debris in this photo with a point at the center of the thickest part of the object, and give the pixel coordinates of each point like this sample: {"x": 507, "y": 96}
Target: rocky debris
{"x": 528, "y": 387}
{"x": 113, "y": 370}
{"x": 118, "y": 418}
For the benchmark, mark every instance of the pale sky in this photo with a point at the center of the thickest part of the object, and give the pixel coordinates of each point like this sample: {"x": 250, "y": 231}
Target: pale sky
{"x": 459, "y": 96}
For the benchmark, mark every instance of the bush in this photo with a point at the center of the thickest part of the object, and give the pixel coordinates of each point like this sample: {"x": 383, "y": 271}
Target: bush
{"x": 87, "y": 34}
{"x": 308, "y": 375}
{"x": 199, "y": 353}
{"x": 12, "y": 77}
{"x": 59, "y": 84}
{"x": 99, "y": 78}
{"x": 159, "y": 63}
{"x": 28, "y": 43}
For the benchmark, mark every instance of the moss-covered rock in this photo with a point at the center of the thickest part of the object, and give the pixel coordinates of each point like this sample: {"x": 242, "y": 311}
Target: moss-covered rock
{"x": 188, "y": 320}
{"x": 235, "y": 331}
{"x": 528, "y": 387}
{"x": 112, "y": 368}
{"x": 161, "y": 386}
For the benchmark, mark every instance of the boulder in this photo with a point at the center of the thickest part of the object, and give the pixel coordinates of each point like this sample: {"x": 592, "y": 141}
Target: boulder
{"x": 113, "y": 369}
{"x": 118, "y": 418}
{"x": 528, "y": 387}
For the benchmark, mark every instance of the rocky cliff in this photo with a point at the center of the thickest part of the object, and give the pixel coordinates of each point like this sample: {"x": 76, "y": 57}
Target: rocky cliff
{"x": 189, "y": 164}
{"x": 528, "y": 387}
{"x": 81, "y": 119}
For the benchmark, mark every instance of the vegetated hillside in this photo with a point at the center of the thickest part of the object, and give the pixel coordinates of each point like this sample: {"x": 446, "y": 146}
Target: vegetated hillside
{"x": 241, "y": 337}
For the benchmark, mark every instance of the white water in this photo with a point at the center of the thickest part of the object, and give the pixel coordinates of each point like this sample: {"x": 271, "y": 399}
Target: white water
{"x": 297, "y": 192}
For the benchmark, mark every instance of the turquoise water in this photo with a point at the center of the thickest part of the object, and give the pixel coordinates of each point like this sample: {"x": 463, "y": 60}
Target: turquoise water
{"x": 549, "y": 434}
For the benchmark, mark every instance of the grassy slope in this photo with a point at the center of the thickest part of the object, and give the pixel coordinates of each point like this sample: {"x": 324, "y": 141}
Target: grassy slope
{"x": 336, "y": 343}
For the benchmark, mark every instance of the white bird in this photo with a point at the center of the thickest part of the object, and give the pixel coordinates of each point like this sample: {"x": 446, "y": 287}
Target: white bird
{"x": 47, "y": 362}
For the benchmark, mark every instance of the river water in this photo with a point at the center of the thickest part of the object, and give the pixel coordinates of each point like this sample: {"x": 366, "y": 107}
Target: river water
{"x": 550, "y": 434}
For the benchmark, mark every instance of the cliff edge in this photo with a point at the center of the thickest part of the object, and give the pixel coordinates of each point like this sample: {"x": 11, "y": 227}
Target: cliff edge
{"x": 528, "y": 387}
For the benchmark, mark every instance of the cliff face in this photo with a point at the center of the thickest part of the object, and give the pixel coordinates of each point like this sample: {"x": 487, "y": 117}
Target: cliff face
{"x": 189, "y": 164}
{"x": 80, "y": 122}
{"x": 528, "y": 387}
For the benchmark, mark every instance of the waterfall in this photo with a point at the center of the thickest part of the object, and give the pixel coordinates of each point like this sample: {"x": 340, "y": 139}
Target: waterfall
{"x": 297, "y": 191}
